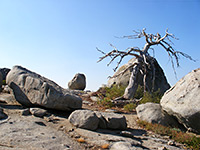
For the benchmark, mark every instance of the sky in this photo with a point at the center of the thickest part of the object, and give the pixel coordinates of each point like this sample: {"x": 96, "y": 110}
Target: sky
{"x": 58, "y": 38}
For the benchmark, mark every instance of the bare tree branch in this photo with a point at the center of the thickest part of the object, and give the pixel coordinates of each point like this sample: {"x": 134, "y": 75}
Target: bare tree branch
{"x": 143, "y": 60}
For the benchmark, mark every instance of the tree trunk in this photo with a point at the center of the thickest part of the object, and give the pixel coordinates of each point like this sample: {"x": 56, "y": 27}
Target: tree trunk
{"x": 133, "y": 83}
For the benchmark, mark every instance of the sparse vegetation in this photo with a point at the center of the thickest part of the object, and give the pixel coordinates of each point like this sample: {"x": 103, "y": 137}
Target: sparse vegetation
{"x": 107, "y": 94}
{"x": 105, "y": 102}
{"x": 114, "y": 92}
{"x": 191, "y": 141}
{"x": 129, "y": 107}
{"x": 153, "y": 97}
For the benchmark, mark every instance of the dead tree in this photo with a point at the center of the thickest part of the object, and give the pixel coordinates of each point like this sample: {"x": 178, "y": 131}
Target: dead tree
{"x": 143, "y": 61}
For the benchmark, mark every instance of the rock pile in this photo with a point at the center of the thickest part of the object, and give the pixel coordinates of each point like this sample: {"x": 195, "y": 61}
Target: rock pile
{"x": 91, "y": 120}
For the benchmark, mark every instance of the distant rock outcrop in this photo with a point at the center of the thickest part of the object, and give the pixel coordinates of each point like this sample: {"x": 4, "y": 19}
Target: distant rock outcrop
{"x": 78, "y": 82}
{"x": 32, "y": 89}
{"x": 160, "y": 79}
{"x": 182, "y": 101}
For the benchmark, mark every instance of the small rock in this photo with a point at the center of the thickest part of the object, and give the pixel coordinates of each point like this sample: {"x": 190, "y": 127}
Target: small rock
{"x": 81, "y": 140}
{"x": 94, "y": 98}
{"x": 110, "y": 110}
{"x": 77, "y": 136}
{"x": 85, "y": 119}
{"x": 86, "y": 102}
{"x": 126, "y": 134}
{"x": 26, "y": 112}
{"x": 171, "y": 143}
{"x": 105, "y": 146}
{"x": 124, "y": 146}
{"x": 38, "y": 112}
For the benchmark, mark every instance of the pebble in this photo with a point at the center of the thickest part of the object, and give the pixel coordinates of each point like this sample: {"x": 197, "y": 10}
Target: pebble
{"x": 126, "y": 134}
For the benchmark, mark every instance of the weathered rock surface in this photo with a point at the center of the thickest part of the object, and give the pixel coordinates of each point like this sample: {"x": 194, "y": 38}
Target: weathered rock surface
{"x": 183, "y": 100}
{"x": 152, "y": 113}
{"x": 160, "y": 79}
{"x": 7, "y": 98}
{"x": 102, "y": 120}
{"x": 32, "y": 89}
{"x": 31, "y": 133}
{"x": 85, "y": 119}
{"x": 4, "y": 72}
{"x": 78, "y": 82}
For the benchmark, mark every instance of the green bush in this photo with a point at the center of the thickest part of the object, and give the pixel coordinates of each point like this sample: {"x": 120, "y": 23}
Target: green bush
{"x": 129, "y": 107}
{"x": 113, "y": 92}
{"x": 153, "y": 97}
{"x": 105, "y": 102}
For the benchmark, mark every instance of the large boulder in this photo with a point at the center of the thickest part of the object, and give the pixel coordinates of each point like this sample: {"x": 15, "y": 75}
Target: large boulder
{"x": 183, "y": 101}
{"x": 85, "y": 119}
{"x": 152, "y": 113}
{"x": 32, "y": 89}
{"x": 160, "y": 79}
{"x": 78, "y": 82}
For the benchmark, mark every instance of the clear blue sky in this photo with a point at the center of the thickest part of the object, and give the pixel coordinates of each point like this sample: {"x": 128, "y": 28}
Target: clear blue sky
{"x": 58, "y": 38}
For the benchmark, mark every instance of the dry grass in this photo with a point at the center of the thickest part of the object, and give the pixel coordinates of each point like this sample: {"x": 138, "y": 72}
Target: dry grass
{"x": 191, "y": 141}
